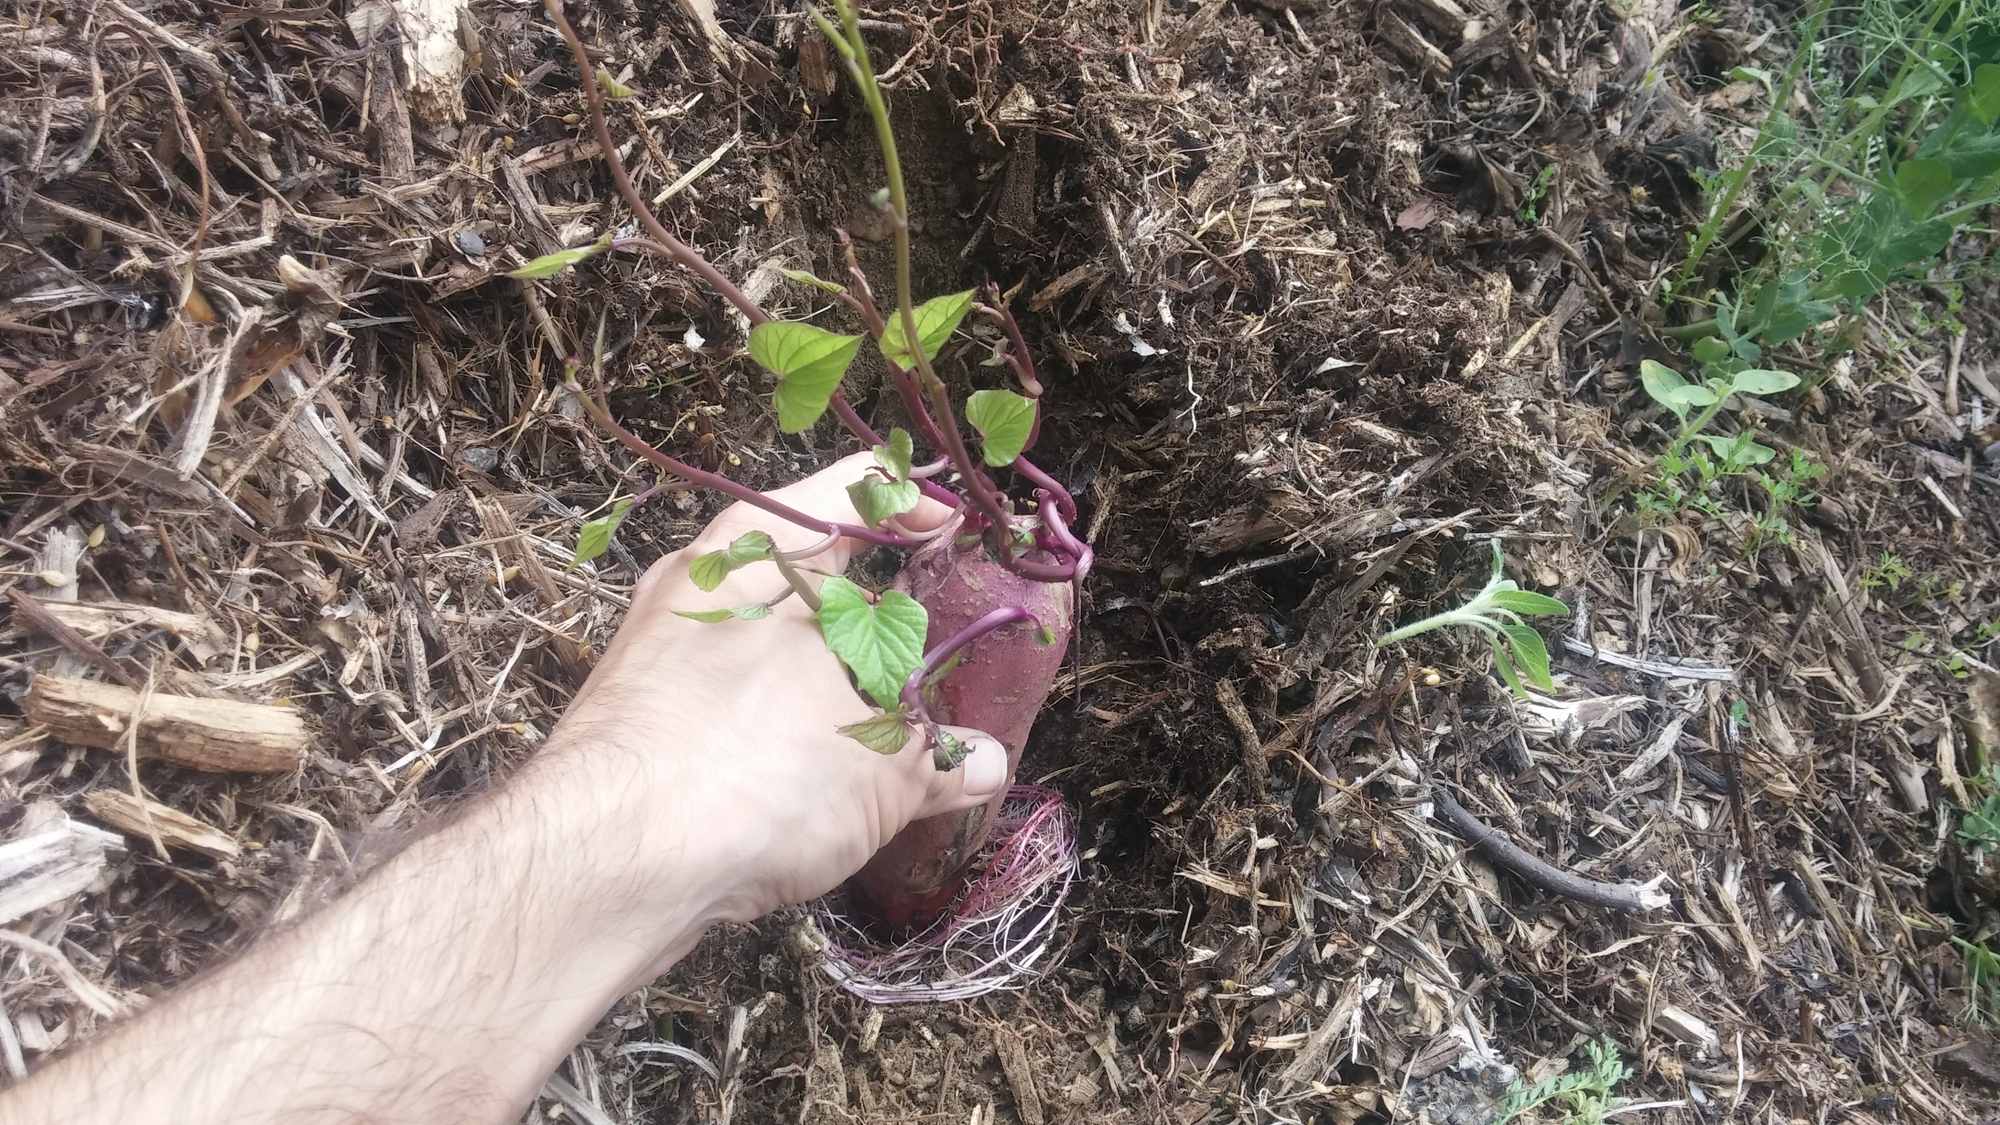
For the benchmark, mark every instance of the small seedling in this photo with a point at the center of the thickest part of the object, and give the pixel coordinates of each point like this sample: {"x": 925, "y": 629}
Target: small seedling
{"x": 1496, "y": 611}
{"x": 1584, "y": 1096}
{"x": 1697, "y": 404}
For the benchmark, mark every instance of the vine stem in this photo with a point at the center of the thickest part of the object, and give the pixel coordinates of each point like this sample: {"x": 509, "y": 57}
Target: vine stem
{"x": 716, "y": 481}
{"x": 681, "y": 252}
{"x": 985, "y": 497}
{"x": 913, "y": 687}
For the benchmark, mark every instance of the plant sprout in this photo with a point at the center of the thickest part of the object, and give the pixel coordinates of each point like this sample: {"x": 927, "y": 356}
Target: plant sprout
{"x": 1497, "y": 611}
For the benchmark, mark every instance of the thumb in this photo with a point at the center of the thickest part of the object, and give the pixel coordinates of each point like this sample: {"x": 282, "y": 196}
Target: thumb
{"x": 975, "y": 780}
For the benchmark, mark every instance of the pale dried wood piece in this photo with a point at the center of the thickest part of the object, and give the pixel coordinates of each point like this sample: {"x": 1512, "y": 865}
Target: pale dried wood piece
{"x": 147, "y": 819}
{"x": 97, "y": 620}
{"x": 1020, "y": 1076}
{"x": 51, "y": 863}
{"x": 218, "y": 735}
{"x": 1407, "y": 42}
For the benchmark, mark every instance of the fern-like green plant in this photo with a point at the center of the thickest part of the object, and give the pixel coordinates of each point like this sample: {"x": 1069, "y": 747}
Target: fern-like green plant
{"x": 1584, "y": 1096}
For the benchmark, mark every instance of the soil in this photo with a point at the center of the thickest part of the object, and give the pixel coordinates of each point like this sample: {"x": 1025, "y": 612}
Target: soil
{"x": 1329, "y": 298}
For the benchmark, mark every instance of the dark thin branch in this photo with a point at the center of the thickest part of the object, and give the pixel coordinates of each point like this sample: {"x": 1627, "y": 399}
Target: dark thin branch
{"x": 1631, "y": 898}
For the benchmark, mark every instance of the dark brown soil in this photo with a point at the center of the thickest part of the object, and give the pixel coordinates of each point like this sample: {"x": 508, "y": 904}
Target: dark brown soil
{"x": 1307, "y": 360}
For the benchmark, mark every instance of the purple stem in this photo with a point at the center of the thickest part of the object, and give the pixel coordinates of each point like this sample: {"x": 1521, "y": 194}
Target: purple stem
{"x": 716, "y": 481}
{"x": 1043, "y": 482}
{"x": 913, "y": 688}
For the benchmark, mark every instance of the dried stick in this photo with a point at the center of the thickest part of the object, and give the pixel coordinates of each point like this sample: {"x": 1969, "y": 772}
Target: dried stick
{"x": 1631, "y": 898}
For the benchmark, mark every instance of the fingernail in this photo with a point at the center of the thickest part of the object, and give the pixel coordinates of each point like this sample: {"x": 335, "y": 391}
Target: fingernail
{"x": 985, "y": 768}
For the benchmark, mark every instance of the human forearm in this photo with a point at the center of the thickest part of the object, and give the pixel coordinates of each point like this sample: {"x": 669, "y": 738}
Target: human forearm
{"x": 443, "y": 987}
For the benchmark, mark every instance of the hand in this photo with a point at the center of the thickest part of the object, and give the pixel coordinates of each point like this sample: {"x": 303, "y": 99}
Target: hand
{"x": 732, "y": 728}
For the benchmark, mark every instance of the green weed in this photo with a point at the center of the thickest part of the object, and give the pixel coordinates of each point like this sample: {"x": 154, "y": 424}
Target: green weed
{"x": 1583, "y": 1096}
{"x": 1497, "y": 611}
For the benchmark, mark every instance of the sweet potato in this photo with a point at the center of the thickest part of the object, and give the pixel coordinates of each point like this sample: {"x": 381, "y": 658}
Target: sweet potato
{"x": 998, "y": 686}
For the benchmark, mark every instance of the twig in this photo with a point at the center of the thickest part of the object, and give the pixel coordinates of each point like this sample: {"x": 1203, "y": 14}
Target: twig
{"x": 42, "y": 621}
{"x": 1631, "y": 898}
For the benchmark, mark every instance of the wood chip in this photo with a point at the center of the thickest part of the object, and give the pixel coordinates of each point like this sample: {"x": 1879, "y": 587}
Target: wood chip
{"x": 1020, "y": 1076}
{"x": 219, "y": 735}
{"x": 50, "y": 863}
{"x": 146, "y": 819}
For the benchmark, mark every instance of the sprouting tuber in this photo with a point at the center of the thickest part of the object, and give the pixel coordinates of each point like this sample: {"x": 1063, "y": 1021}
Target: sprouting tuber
{"x": 976, "y": 624}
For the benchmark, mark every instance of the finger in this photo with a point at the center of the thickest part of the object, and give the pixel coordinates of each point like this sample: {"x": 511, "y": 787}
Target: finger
{"x": 824, "y": 494}
{"x": 976, "y": 779}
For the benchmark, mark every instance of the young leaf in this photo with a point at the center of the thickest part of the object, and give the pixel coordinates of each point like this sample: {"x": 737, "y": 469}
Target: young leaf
{"x": 1710, "y": 350}
{"x": 1985, "y": 93}
{"x": 814, "y": 280}
{"x": 936, "y": 318}
{"x": 710, "y": 569}
{"x": 808, "y": 362}
{"x": 1738, "y": 448}
{"x": 1661, "y": 382}
{"x": 549, "y": 265}
{"x": 877, "y": 499}
{"x": 1922, "y": 185}
{"x": 1505, "y": 666}
{"x": 897, "y": 454}
{"x": 1527, "y": 603}
{"x": 609, "y": 84}
{"x": 595, "y": 535}
{"x": 885, "y": 732}
{"x": 1530, "y": 655}
{"x": 755, "y": 611}
{"x": 1004, "y": 421}
{"x": 1691, "y": 394}
{"x": 1760, "y": 381}
{"x": 880, "y": 643}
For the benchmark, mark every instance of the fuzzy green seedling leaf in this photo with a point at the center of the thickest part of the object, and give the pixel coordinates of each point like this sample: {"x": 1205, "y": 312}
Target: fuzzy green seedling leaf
{"x": 755, "y": 611}
{"x": 707, "y": 571}
{"x": 936, "y": 319}
{"x": 897, "y": 453}
{"x": 1531, "y": 656}
{"x": 809, "y": 363}
{"x": 1739, "y": 448}
{"x": 594, "y": 538}
{"x": 877, "y": 499}
{"x": 817, "y": 282}
{"x": 1504, "y": 664}
{"x": 1660, "y": 382}
{"x": 885, "y": 732}
{"x": 1710, "y": 350}
{"x": 1922, "y": 185}
{"x": 549, "y": 265}
{"x": 1984, "y": 99}
{"x": 881, "y": 642}
{"x": 1527, "y": 603}
{"x": 1004, "y": 421}
{"x": 1760, "y": 381}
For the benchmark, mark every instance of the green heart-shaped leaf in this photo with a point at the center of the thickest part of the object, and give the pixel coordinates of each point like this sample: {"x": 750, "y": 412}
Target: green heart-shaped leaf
{"x": 707, "y": 571}
{"x": 809, "y": 363}
{"x": 897, "y": 454}
{"x": 1004, "y": 421}
{"x": 936, "y": 319}
{"x": 1922, "y": 185}
{"x": 1739, "y": 449}
{"x": 595, "y": 536}
{"x": 877, "y": 499}
{"x": 881, "y": 643}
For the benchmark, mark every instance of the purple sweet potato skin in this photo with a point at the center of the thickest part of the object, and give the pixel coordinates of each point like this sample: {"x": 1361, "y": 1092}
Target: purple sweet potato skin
{"x": 998, "y": 686}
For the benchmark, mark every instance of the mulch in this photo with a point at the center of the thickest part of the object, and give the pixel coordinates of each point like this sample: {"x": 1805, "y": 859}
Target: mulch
{"x": 1329, "y": 299}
